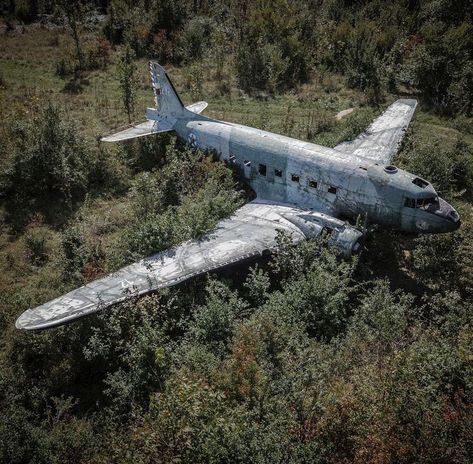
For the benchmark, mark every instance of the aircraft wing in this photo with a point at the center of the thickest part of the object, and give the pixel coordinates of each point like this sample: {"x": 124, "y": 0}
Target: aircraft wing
{"x": 139, "y": 130}
{"x": 248, "y": 233}
{"x": 380, "y": 142}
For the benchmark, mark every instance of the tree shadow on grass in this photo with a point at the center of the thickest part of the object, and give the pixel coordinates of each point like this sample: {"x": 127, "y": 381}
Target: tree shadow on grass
{"x": 19, "y": 212}
{"x": 75, "y": 85}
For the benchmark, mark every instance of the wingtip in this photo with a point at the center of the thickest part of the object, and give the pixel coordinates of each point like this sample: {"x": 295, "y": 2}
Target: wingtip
{"x": 412, "y": 102}
{"x": 22, "y": 323}
{"x": 30, "y": 320}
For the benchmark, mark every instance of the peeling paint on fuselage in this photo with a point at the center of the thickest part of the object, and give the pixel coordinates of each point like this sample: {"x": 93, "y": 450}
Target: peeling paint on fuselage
{"x": 286, "y": 170}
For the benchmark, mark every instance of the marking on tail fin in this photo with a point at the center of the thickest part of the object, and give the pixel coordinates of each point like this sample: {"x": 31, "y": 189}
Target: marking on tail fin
{"x": 165, "y": 96}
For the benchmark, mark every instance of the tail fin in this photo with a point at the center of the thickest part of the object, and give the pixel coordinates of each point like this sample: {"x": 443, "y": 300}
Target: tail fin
{"x": 167, "y": 100}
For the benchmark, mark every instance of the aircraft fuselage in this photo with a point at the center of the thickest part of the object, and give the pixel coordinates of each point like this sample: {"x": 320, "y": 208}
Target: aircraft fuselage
{"x": 286, "y": 170}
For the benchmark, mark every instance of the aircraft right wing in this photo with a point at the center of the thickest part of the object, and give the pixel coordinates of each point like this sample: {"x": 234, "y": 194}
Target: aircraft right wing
{"x": 248, "y": 233}
{"x": 380, "y": 142}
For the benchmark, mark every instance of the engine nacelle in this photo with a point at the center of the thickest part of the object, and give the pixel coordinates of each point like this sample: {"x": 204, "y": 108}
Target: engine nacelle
{"x": 345, "y": 238}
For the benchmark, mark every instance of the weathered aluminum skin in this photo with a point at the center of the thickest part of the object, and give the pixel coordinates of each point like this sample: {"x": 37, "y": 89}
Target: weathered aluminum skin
{"x": 302, "y": 189}
{"x": 139, "y": 130}
{"x": 248, "y": 233}
{"x": 348, "y": 185}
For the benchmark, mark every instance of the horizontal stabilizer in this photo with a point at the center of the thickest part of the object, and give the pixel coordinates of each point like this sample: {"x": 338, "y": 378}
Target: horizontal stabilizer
{"x": 140, "y": 130}
{"x": 197, "y": 107}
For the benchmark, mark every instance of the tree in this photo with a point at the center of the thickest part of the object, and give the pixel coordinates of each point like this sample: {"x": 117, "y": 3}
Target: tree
{"x": 74, "y": 12}
{"x": 128, "y": 82}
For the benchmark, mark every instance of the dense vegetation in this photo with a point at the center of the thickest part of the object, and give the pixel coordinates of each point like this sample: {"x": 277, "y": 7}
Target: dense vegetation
{"x": 304, "y": 357}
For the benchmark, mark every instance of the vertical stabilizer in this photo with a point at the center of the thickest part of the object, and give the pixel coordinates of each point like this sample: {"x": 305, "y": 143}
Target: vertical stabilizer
{"x": 167, "y": 100}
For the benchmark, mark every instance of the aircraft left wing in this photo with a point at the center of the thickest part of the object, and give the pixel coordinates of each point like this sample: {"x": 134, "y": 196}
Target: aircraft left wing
{"x": 380, "y": 142}
{"x": 248, "y": 233}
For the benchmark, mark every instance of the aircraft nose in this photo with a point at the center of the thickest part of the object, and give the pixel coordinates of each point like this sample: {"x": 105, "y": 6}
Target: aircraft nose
{"x": 450, "y": 214}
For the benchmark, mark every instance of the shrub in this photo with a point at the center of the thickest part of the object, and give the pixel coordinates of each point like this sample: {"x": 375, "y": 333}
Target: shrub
{"x": 51, "y": 160}
{"x": 97, "y": 55}
{"x": 440, "y": 67}
{"x": 214, "y": 322}
{"x": 448, "y": 165}
{"x": 195, "y": 38}
{"x": 194, "y": 80}
{"x": 362, "y": 63}
{"x": 36, "y": 242}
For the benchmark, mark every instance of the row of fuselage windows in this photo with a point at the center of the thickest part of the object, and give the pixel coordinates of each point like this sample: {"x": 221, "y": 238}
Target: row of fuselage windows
{"x": 296, "y": 178}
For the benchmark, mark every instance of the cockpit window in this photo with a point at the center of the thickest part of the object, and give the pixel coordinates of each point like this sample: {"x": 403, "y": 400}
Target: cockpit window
{"x": 423, "y": 203}
{"x": 426, "y": 202}
{"x": 420, "y": 182}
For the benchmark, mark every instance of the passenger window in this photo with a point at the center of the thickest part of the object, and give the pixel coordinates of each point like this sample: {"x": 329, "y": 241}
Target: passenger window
{"x": 410, "y": 203}
{"x": 262, "y": 169}
{"x": 278, "y": 172}
{"x": 294, "y": 178}
{"x": 312, "y": 183}
{"x": 332, "y": 190}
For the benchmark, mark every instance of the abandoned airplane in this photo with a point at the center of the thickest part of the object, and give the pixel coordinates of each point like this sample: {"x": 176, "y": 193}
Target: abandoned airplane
{"x": 301, "y": 188}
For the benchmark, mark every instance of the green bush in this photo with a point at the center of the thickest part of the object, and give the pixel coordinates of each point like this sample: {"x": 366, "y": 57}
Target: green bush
{"x": 36, "y": 241}
{"x": 214, "y": 323}
{"x": 261, "y": 67}
{"x": 183, "y": 200}
{"x": 51, "y": 160}
{"x": 448, "y": 166}
{"x": 195, "y": 38}
{"x": 363, "y": 62}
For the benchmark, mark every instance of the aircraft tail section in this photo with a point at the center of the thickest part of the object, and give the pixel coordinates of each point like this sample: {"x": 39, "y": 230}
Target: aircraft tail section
{"x": 163, "y": 117}
{"x": 165, "y": 96}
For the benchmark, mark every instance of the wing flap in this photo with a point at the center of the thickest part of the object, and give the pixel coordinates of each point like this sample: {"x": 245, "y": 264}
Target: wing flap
{"x": 380, "y": 142}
